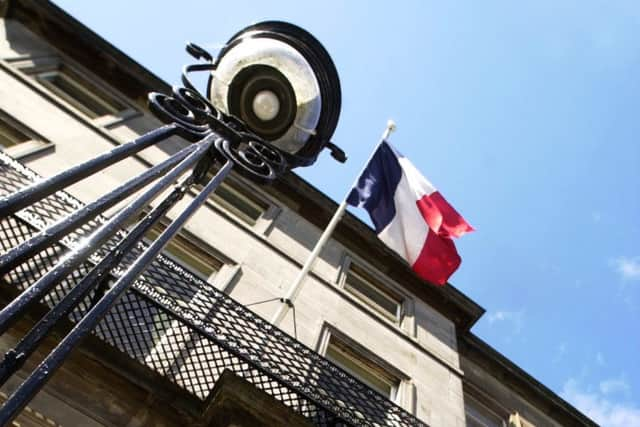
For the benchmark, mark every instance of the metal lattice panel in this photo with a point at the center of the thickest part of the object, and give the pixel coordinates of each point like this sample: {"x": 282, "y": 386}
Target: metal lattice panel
{"x": 182, "y": 328}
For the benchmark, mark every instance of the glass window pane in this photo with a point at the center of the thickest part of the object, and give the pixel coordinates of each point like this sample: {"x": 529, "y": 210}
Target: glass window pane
{"x": 87, "y": 97}
{"x": 374, "y": 294}
{"x": 187, "y": 254}
{"x": 10, "y": 135}
{"x": 358, "y": 371}
{"x": 240, "y": 202}
{"x": 365, "y": 370}
{"x": 479, "y": 416}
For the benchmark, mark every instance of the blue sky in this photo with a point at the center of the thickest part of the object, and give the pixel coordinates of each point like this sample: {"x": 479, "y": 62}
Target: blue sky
{"x": 524, "y": 115}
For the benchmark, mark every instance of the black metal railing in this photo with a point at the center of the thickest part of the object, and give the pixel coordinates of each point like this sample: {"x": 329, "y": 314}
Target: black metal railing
{"x": 184, "y": 329}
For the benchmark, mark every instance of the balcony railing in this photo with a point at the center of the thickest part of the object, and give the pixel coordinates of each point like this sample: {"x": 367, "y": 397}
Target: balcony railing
{"x": 188, "y": 332}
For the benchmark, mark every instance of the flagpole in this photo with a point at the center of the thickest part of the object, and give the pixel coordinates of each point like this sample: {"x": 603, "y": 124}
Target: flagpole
{"x": 294, "y": 290}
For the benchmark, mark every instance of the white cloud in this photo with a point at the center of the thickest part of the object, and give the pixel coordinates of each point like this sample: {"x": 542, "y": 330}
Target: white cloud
{"x": 599, "y": 406}
{"x": 614, "y": 385}
{"x": 561, "y": 351}
{"x": 628, "y": 268}
{"x": 514, "y": 317}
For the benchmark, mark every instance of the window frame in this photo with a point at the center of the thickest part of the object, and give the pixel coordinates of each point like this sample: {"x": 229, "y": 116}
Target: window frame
{"x": 517, "y": 420}
{"x": 237, "y": 184}
{"x": 365, "y": 287}
{"x": 472, "y": 402}
{"x": 257, "y": 204}
{"x": 46, "y": 78}
{"x": 34, "y": 142}
{"x": 404, "y": 318}
{"x": 194, "y": 244}
{"x": 93, "y": 87}
{"x": 402, "y": 393}
{"x": 220, "y": 279}
{"x": 374, "y": 374}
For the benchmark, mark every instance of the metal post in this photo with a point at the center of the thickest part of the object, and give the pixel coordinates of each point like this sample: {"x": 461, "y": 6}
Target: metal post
{"x": 296, "y": 286}
{"x": 33, "y": 193}
{"x": 79, "y": 254}
{"x": 18, "y": 400}
{"x": 15, "y": 358}
{"x": 217, "y": 140}
{"x": 53, "y": 233}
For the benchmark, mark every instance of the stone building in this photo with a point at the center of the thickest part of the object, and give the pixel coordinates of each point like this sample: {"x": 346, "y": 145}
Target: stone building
{"x": 67, "y": 95}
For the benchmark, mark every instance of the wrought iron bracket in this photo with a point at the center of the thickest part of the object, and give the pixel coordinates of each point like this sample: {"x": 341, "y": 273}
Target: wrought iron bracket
{"x": 219, "y": 141}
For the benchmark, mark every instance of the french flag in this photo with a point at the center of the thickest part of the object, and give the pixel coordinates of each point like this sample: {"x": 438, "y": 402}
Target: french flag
{"x": 409, "y": 214}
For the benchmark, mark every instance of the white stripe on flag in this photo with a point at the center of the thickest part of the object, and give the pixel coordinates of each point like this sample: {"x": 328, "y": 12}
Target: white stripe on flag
{"x": 420, "y": 185}
{"x": 407, "y": 232}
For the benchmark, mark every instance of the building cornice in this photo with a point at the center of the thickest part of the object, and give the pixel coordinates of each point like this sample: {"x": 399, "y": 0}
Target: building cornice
{"x": 480, "y": 353}
{"x": 84, "y": 46}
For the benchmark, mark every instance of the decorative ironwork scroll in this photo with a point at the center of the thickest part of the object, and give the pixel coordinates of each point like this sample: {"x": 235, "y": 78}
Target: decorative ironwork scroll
{"x": 107, "y": 267}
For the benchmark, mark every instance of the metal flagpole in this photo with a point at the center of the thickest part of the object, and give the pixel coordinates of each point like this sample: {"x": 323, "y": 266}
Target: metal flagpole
{"x": 294, "y": 290}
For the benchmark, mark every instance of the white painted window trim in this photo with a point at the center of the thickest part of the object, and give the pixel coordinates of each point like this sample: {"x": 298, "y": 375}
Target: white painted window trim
{"x": 35, "y": 145}
{"x": 407, "y": 322}
{"x": 220, "y": 279}
{"x": 405, "y": 393}
{"x": 32, "y": 66}
{"x": 265, "y": 222}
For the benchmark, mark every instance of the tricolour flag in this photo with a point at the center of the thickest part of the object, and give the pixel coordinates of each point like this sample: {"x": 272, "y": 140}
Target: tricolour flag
{"x": 409, "y": 214}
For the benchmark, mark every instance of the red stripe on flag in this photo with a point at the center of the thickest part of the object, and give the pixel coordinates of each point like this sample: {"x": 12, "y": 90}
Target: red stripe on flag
{"x": 438, "y": 259}
{"x": 441, "y": 217}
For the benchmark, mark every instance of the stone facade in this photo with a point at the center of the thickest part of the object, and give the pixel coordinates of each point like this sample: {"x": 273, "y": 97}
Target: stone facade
{"x": 433, "y": 359}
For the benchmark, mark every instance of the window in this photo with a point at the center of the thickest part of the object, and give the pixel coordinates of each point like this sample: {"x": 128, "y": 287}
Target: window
{"x": 187, "y": 253}
{"x": 364, "y": 286}
{"x": 239, "y": 202}
{"x": 78, "y": 91}
{"x": 17, "y": 140}
{"x": 10, "y": 135}
{"x": 361, "y": 367}
{"x": 516, "y": 420}
{"x": 478, "y": 415}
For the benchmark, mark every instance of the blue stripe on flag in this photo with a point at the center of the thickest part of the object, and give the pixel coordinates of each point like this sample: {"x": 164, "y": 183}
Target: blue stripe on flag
{"x": 377, "y": 186}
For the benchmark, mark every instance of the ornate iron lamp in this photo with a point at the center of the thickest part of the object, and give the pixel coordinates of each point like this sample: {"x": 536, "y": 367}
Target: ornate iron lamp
{"x": 272, "y": 104}
{"x": 280, "y": 81}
